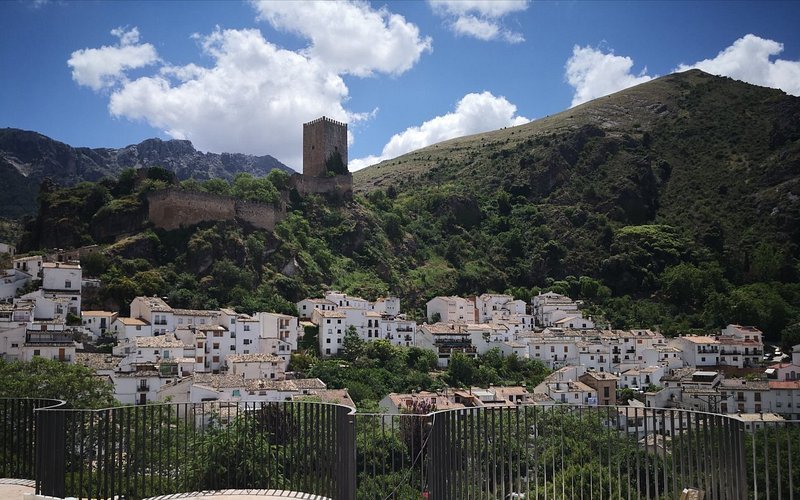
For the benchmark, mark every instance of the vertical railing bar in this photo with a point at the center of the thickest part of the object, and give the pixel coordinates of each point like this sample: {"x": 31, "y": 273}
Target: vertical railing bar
{"x": 776, "y": 432}
{"x": 766, "y": 462}
{"x": 788, "y": 428}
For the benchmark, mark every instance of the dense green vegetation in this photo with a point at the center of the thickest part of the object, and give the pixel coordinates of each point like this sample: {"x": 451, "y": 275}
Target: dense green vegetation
{"x": 371, "y": 370}
{"x": 44, "y": 378}
{"x": 671, "y": 205}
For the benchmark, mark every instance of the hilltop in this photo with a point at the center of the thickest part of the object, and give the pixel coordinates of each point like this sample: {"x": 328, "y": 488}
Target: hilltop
{"x": 27, "y": 158}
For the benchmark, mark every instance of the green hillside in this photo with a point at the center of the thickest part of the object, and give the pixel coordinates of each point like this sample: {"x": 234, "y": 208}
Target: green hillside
{"x": 673, "y": 204}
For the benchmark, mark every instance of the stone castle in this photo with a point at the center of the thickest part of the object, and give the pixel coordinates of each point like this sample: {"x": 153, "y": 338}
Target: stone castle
{"x": 324, "y": 172}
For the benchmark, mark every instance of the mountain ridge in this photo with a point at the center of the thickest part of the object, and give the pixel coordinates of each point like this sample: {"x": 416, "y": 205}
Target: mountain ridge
{"x": 28, "y": 157}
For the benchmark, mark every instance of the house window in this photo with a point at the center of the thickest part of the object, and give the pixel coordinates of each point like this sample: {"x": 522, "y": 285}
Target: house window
{"x": 328, "y": 340}
{"x": 565, "y": 348}
{"x": 37, "y": 352}
{"x": 552, "y": 348}
{"x": 216, "y": 345}
{"x": 247, "y": 328}
{"x": 327, "y": 351}
{"x": 236, "y": 392}
{"x": 198, "y": 359}
{"x": 215, "y": 359}
{"x": 67, "y": 284}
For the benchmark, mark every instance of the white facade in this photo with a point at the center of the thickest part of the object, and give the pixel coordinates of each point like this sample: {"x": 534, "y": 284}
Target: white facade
{"x": 445, "y": 339}
{"x": 124, "y": 328}
{"x": 451, "y": 310}
{"x": 306, "y": 307}
{"x": 63, "y": 281}
{"x": 400, "y": 332}
{"x": 156, "y": 312}
{"x": 550, "y": 306}
{"x": 12, "y": 340}
{"x": 281, "y": 331}
{"x": 332, "y": 327}
{"x": 344, "y": 300}
{"x": 388, "y": 306}
{"x": 697, "y": 350}
{"x": 49, "y": 340}
{"x": 257, "y": 366}
{"x": 98, "y": 322}
{"x": 11, "y": 281}
{"x": 31, "y": 265}
{"x": 740, "y": 346}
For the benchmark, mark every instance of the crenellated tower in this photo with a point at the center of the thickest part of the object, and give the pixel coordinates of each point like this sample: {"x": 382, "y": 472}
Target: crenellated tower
{"x": 324, "y": 147}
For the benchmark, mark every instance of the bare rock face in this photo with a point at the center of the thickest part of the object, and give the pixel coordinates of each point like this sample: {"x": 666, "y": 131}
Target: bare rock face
{"x": 27, "y": 158}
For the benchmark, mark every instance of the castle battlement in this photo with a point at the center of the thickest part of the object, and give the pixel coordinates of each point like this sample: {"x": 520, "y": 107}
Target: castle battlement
{"x": 325, "y": 119}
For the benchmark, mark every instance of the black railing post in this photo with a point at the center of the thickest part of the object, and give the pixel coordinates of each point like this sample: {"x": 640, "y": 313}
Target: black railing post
{"x": 346, "y": 454}
{"x": 50, "y": 459}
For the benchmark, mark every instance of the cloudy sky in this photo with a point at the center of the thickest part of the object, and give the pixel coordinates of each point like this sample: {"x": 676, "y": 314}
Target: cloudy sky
{"x": 243, "y": 76}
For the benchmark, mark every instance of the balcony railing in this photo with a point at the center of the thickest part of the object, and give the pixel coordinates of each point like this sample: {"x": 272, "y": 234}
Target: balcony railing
{"x": 523, "y": 451}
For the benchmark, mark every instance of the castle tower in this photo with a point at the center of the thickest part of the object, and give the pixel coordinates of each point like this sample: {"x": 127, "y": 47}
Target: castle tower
{"x": 324, "y": 144}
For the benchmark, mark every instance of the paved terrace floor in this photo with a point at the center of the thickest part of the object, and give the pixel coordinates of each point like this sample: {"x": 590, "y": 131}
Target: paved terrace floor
{"x": 16, "y": 489}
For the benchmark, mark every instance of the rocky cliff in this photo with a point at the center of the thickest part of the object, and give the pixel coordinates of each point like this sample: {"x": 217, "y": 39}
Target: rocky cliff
{"x": 26, "y": 158}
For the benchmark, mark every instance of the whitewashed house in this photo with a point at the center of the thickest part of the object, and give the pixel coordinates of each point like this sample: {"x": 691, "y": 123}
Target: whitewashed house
{"x": 697, "y": 350}
{"x": 279, "y": 333}
{"x": 49, "y": 339}
{"x": 306, "y": 307}
{"x": 98, "y": 322}
{"x": 125, "y": 328}
{"x": 740, "y": 346}
{"x": 31, "y": 265}
{"x": 62, "y": 280}
{"x": 257, "y": 366}
{"x": 386, "y": 306}
{"x": 11, "y": 282}
{"x": 400, "y": 332}
{"x": 154, "y": 311}
{"x": 549, "y": 307}
{"x": 445, "y": 339}
{"x": 344, "y": 300}
{"x": 451, "y": 310}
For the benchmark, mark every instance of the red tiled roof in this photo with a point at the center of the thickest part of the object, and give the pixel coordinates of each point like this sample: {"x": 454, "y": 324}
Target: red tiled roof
{"x": 785, "y": 384}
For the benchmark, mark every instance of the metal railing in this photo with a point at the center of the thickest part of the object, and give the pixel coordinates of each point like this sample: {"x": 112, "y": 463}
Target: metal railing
{"x": 147, "y": 450}
{"x": 18, "y": 443}
{"x": 525, "y": 451}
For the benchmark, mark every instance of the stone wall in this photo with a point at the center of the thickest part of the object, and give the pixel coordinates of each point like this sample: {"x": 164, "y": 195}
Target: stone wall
{"x": 339, "y": 185}
{"x": 173, "y": 208}
{"x": 260, "y": 215}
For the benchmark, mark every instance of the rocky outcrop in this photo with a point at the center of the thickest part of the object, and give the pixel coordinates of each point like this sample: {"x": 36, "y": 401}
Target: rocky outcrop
{"x": 27, "y": 158}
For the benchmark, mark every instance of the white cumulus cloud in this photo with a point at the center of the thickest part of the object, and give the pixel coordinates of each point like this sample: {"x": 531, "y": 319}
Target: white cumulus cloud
{"x": 481, "y": 19}
{"x": 594, "y": 73}
{"x": 749, "y": 60}
{"x": 350, "y": 37}
{"x": 253, "y": 96}
{"x": 106, "y": 66}
{"x": 252, "y": 100}
{"x": 474, "y": 113}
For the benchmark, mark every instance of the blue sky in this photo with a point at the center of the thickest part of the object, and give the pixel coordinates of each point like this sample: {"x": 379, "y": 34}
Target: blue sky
{"x": 243, "y": 76}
